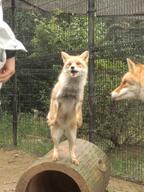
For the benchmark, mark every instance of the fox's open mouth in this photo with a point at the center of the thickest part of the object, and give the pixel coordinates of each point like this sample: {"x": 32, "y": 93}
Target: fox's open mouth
{"x": 118, "y": 97}
{"x": 74, "y": 73}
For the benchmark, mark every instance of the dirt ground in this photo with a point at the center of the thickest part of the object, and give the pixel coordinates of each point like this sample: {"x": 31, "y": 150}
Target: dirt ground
{"x": 13, "y": 163}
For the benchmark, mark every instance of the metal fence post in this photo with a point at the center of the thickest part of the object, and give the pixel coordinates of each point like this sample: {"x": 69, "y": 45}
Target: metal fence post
{"x": 91, "y": 83}
{"x": 13, "y": 6}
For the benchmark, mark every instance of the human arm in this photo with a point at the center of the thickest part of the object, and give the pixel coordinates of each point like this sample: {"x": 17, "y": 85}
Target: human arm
{"x": 9, "y": 67}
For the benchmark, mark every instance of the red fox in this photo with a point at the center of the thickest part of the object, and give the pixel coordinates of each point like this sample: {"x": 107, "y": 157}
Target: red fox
{"x": 65, "y": 113}
{"x": 132, "y": 84}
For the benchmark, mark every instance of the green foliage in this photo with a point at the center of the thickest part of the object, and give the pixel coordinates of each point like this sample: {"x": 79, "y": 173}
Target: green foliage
{"x": 60, "y": 32}
{"x": 123, "y": 37}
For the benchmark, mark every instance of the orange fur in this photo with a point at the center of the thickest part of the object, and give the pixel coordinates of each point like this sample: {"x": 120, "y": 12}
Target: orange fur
{"x": 132, "y": 84}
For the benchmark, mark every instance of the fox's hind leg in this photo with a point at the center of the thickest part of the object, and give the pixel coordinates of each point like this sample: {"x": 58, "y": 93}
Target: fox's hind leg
{"x": 71, "y": 134}
{"x": 56, "y": 134}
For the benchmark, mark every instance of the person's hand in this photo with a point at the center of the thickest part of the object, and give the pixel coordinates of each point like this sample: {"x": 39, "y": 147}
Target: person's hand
{"x": 8, "y": 70}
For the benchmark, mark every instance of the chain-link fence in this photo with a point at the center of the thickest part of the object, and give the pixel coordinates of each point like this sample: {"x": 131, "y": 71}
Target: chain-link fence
{"x": 112, "y": 31}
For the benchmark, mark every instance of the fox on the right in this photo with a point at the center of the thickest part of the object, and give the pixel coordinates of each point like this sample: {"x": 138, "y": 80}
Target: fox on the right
{"x": 132, "y": 83}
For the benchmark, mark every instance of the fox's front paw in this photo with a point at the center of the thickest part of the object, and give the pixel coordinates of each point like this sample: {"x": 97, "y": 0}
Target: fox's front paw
{"x": 51, "y": 120}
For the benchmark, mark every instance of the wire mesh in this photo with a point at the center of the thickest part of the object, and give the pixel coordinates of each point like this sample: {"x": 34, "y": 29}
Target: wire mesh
{"x": 119, "y": 123}
{"x": 118, "y": 35}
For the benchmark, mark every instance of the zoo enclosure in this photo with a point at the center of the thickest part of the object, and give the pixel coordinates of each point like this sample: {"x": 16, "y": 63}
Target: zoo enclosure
{"x": 112, "y": 31}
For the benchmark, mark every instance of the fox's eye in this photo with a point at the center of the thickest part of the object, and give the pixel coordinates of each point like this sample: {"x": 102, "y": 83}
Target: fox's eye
{"x": 124, "y": 82}
{"x": 68, "y": 64}
{"x": 79, "y": 64}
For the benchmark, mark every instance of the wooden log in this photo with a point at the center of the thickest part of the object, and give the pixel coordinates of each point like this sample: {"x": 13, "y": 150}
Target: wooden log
{"x": 91, "y": 175}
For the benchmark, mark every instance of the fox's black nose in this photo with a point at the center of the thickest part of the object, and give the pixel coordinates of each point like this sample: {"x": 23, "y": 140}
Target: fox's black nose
{"x": 72, "y": 67}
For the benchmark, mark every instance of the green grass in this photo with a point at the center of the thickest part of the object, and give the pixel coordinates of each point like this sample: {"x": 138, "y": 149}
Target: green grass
{"x": 5, "y": 130}
{"x": 33, "y": 134}
{"x": 128, "y": 162}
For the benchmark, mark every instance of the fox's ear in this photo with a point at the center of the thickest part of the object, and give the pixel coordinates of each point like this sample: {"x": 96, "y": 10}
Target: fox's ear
{"x": 65, "y": 56}
{"x": 85, "y": 56}
{"x": 131, "y": 65}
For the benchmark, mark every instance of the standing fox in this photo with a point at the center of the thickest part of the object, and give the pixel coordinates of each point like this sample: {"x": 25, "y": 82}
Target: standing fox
{"x": 65, "y": 114}
{"x": 132, "y": 85}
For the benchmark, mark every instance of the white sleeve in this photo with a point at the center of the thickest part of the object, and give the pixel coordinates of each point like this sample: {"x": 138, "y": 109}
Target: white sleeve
{"x": 7, "y": 37}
